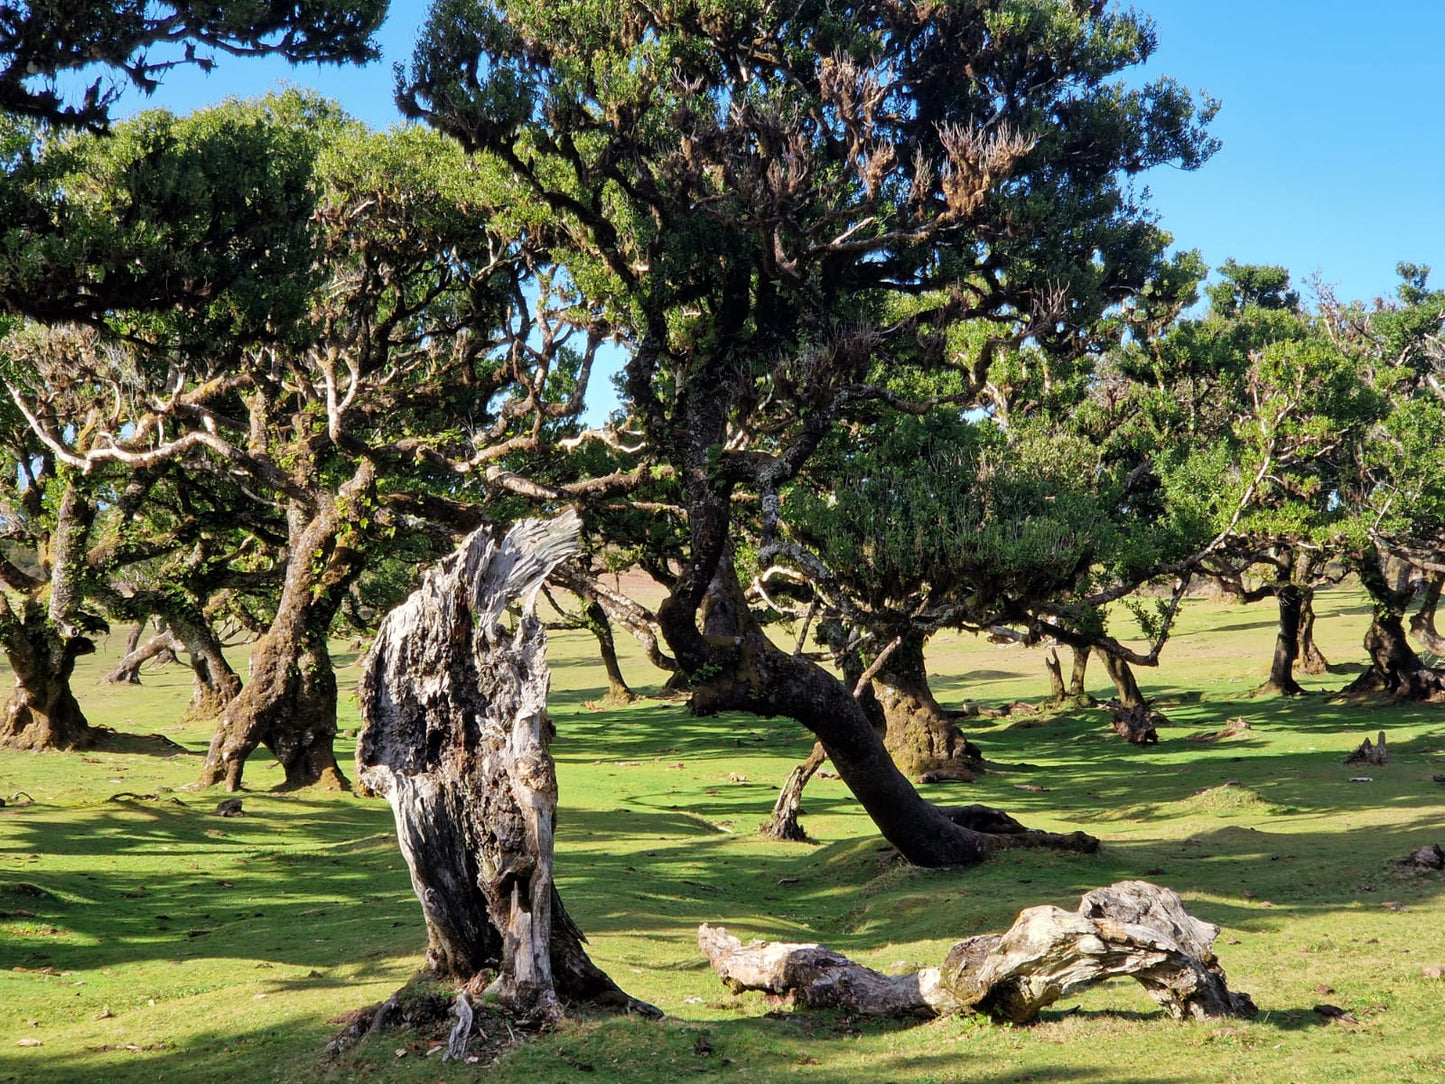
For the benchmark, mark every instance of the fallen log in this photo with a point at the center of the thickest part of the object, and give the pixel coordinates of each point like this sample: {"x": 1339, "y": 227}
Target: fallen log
{"x": 1131, "y": 928}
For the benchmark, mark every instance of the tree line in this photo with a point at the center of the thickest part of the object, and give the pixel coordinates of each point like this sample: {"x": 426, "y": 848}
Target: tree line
{"x": 904, "y": 350}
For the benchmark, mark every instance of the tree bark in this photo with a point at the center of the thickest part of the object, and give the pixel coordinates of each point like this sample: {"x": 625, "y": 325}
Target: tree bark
{"x": 1131, "y": 716}
{"x": 214, "y": 684}
{"x": 1422, "y": 625}
{"x": 42, "y": 642}
{"x": 42, "y": 712}
{"x": 289, "y": 704}
{"x": 1395, "y": 670}
{"x": 620, "y": 610}
{"x": 1290, "y": 598}
{"x": 920, "y": 736}
{"x": 127, "y": 671}
{"x": 455, "y": 737}
{"x": 1131, "y": 928}
{"x": 1078, "y": 693}
{"x": 1125, "y": 686}
{"x": 1075, "y": 692}
{"x": 745, "y": 671}
{"x": 1057, "y": 692}
{"x": 1311, "y": 659}
{"x": 617, "y": 689}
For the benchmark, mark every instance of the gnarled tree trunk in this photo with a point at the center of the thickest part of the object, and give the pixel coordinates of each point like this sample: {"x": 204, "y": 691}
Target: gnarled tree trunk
{"x": 214, "y": 684}
{"x": 455, "y": 738}
{"x": 745, "y": 671}
{"x": 920, "y": 736}
{"x": 42, "y": 642}
{"x": 1290, "y": 598}
{"x": 1078, "y": 693}
{"x": 127, "y": 671}
{"x": 1311, "y": 659}
{"x": 289, "y": 704}
{"x": 42, "y": 712}
{"x": 600, "y": 627}
{"x": 1422, "y": 625}
{"x": 1132, "y": 718}
{"x": 1395, "y": 670}
{"x": 1057, "y": 693}
{"x": 1075, "y": 693}
{"x": 1132, "y": 928}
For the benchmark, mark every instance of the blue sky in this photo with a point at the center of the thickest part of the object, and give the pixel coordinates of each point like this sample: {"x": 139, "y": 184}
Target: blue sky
{"x": 1332, "y": 123}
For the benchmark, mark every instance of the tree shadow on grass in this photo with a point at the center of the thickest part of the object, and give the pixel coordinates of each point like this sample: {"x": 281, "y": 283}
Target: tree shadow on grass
{"x": 153, "y": 745}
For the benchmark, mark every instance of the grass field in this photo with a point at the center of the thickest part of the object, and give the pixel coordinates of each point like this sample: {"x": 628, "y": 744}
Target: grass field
{"x": 147, "y": 938}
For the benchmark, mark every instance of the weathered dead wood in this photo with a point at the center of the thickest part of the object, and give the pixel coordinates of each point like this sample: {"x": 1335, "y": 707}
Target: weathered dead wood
{"x": 1374, "y": 753}
{"x": 1232, "y": 728}
{"x": 1131, "y": 928}
{"x": 1136, "y": 724}
{"x": 783, "y": 825}
{"x": 455, "y": 738}
{"x": 1430, "y": 856}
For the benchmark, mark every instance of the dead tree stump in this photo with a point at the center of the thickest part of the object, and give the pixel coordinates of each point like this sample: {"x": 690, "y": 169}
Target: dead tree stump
{"x": 1372, "y": 753}
{"x": 1131, "y": 928}
{"x": 456, "y": 737}
{"x": 1136, "y": 724}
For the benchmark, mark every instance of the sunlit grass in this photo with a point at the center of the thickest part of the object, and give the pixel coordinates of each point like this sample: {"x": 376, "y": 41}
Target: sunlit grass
{"x": 145, "y": 939}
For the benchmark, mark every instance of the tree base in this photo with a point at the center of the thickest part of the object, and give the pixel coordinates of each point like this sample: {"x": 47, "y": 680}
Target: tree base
{"x": 28, "y": 732}
{"x": 1279, "y": 688}
{"x": 1424, "y": 686}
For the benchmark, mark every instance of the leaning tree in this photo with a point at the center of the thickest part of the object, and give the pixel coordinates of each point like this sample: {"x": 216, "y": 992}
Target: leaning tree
{"x": 774, "y": 204}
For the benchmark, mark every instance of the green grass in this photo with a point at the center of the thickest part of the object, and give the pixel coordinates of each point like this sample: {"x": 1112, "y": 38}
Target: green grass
{"x": 146, "y": 940}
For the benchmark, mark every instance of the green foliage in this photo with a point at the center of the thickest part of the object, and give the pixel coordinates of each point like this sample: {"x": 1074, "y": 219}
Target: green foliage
{"x": 943, "y": 511}
{"x": 192, "y": 229}
{"x": 1244, "y": 286}
{"x": 40, "y": 43}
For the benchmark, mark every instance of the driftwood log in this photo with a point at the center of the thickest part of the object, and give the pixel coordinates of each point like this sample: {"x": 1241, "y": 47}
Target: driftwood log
{"x": 456, "y": 738}
{"x": 1131, "y": 928}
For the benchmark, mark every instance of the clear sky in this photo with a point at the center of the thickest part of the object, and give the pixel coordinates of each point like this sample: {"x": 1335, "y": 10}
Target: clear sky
{"x": 1333, "y": 125}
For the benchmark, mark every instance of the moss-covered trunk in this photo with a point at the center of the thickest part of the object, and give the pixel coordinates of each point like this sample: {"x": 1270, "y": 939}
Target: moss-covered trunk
{"x": 214, "y": 683}
{"x": 920, "y": 736}
{"x": 289, "y": 704}
{"x": 42, "y": 712}
{"x": 44, "y": 639}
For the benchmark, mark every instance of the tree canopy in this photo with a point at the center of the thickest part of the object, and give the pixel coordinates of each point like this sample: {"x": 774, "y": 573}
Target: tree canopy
{"x": 43, "y": 43}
